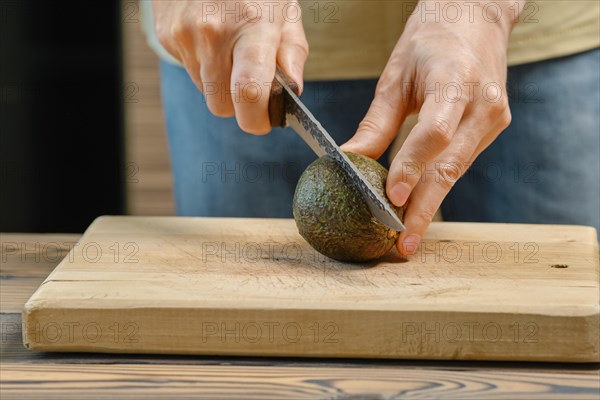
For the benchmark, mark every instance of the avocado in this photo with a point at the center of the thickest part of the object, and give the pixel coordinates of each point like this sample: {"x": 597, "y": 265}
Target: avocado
{"x": 332, "y": 216}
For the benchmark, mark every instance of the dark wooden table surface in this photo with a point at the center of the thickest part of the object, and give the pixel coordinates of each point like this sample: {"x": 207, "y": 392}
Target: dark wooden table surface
{"x": 26, "y": 260}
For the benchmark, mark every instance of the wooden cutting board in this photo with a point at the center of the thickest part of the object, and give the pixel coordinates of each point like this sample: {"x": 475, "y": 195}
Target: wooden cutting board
{"x": 255, "y": 287}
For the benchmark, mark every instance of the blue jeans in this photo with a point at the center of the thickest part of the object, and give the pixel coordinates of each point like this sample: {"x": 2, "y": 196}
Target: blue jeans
{"x": 545, "y": 168}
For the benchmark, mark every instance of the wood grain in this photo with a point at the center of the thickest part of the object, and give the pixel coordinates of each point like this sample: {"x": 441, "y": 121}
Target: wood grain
{"x": 203, "y": 286}
{"x": 575, "y": 380}
{"x": 26, "y": 261}
{"x": 215, "y": 382}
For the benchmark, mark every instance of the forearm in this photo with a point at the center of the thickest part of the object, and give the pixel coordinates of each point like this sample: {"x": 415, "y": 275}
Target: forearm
{"x": 503, "y": 14}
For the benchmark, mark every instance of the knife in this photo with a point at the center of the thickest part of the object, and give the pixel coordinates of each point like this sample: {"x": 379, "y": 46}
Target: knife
{"x": 286, "y": 110}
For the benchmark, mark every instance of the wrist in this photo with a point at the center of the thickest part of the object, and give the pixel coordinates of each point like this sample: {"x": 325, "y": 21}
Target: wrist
{"x": 502, "y": 14}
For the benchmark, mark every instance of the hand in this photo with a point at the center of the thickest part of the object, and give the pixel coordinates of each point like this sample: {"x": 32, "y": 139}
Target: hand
{"x": 453, "y": 73}
{"x": 230, "y": 49}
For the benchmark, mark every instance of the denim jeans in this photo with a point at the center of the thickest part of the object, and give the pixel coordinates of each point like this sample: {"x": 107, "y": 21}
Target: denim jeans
{"x": 545, "y": 168}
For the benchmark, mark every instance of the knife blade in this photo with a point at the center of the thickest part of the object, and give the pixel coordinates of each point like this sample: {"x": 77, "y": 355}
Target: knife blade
{"x": 287, "y": 110}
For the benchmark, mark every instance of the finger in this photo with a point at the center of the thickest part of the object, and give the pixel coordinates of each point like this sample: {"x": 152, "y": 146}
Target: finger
{"x": 441, "y": 175}
{"x": 293, "y": 52}
{"x": 383, "y": 120}
{"x": 433, "y": 133}
{"x": 179, "y": 43}
{"x": 192, "y": 66}
{"x": 216, "y": 79}
{"x": 502, "y": 122}
{"x": 254, "y": 58}
{"x": 171, "y": 47}
{"x": 163, "y": 14}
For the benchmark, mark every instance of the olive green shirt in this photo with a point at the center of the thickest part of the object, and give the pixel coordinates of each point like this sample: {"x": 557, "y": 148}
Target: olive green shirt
{"x": 352, "y": 39}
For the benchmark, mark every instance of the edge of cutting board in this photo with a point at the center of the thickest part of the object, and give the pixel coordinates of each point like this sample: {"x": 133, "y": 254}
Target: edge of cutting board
{"x": 383, "y": 333}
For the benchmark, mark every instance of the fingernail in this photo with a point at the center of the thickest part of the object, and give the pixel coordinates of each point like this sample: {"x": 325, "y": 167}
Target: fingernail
{"x": 411, "y": 244}
{"x": 399, "y": 194}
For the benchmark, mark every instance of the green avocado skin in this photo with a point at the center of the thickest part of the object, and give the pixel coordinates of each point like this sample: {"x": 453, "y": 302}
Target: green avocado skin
{"x": 332, "y": 216}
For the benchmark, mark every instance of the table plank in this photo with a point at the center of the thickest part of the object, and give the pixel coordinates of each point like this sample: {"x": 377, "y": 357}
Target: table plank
{"x": 26, "y": 374}
{"x": 25, "y": 261}
{"x": 59, "y": 381}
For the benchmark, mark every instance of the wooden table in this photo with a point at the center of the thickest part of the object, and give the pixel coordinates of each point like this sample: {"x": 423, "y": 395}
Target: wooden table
{"x": 26, "y": 260}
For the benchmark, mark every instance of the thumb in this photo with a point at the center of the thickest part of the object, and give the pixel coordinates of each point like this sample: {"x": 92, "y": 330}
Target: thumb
{"x": 382, "y": 123}
{"x": 293, "y": 52}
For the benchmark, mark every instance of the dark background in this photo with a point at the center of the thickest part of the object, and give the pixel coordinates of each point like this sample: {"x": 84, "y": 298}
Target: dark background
{"x": 61, "y": 115}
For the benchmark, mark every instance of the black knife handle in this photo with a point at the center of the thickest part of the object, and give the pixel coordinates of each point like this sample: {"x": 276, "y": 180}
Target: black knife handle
{"x": 277, "y": 98}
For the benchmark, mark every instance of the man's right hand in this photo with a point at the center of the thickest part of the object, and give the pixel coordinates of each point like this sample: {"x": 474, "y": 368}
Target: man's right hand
{"x": 230, "y": 50}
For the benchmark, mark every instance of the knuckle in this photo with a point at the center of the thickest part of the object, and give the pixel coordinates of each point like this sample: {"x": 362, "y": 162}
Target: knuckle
{"x": 369, "y": 125}
{"x": 248, "y": 89}
{"x": 301, "y": 47}
{"x": 162, "y": 34}
{"x": 448, "y": 173}
{"x": 425, "y": 216}
{"x": 302, "y": 44}
{"x": 177, "y": 31}
{"x": 440, "y": 131}
{"x": 305, "y": 46}
{"x": 377, "y": 129}
{"x": 500, "y": 111}
{"x": 248, "y": 80}
{"x": 385, "y": 87}
{"x": 500, "y": 106}
{"x": 505, "y": 118}
{"x": 495, "y": 103}
{"x": 209, "y": 28}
